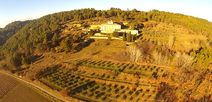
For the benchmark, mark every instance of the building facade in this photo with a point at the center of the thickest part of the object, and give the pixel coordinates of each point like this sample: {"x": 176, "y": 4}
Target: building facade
{"x": 110, "y": 27}
{"x": 133, "y": 32}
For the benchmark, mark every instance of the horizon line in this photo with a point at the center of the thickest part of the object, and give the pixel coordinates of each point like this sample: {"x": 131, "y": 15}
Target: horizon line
{"x": 42, "y": 15}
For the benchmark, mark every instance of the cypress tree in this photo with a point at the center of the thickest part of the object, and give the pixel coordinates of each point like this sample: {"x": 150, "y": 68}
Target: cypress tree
{"x": 129, "y": 37}
{"x": 124, "y": 37}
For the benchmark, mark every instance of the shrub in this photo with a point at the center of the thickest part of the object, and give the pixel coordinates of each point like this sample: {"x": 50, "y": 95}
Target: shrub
{"x": 130, "y": 92}
{"x": 103, "y": 98}
{"x": 116, "y": 91}
{"x": 124, "y": 97}
{"x": 115, "y": 34}
{"x": 117, "y": 96}
{"x": 137, "y": 93}
{"x": 131, "y": 98}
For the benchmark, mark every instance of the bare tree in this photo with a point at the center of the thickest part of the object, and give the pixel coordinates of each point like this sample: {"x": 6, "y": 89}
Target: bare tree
{"x": 140, "y": 50}
{"x": 134, "y": 52}
{"x": 159, "y": 58}
{"x": 183, "y": 61}
{"x": 171, "y": 42}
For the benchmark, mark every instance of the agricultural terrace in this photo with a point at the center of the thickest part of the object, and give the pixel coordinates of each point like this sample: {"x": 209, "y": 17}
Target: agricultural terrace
{"x": 98, "y": 80}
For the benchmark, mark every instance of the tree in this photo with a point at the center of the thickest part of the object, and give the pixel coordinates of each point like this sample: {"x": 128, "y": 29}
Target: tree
{"x": 99, "y": 14}
{"x": 136, "y": 26}
{"x": 115, "y": 34}
{"x": 16, "y": 59}
{"x": 172, "y": 40}
{"x": 146, "y": 49}
{"x": 104, "y": 14}
{"x": 155, "y": 75}
{"x": 24, "y": 60}
{"x": 124, "y": 37}
{"x": 134, "y": 52}
{"x": 55, "y": 39}
{"x": 183, "y": 61}
{"x": 129, "y": 37}
{"x": 166, "y": 93}
{"x": 66, "y": 45}
{"x": 133, "y": 37}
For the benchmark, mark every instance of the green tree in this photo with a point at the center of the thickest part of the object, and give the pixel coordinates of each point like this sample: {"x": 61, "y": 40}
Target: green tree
{"x": 66, "y": 45}
{"x": 115, "y": 34}
{"x": 124, "y": 37}
{"x": 133, "y": 37}
{"x": 55, "y": 39}
{"x": 129, "y": 37}
{"x": 16, "y": 59}
{"x": 24, "y": 60}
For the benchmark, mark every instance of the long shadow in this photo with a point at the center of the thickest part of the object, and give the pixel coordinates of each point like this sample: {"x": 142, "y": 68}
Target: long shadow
{"x": 36, "y": 58}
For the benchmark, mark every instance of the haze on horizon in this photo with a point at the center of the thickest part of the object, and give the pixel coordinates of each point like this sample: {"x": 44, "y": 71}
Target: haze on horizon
{"x": 15, "y": 10}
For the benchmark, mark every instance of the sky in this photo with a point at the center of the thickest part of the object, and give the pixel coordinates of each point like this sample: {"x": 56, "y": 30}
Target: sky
{"x": 14, "y": 10}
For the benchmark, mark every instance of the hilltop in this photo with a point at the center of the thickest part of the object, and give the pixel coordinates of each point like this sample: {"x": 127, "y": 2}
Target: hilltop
{"x": 170, "y": 52}
{"x": 46, "y": 27}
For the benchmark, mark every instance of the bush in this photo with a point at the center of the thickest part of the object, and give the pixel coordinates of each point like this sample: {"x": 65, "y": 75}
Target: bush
{"x": 124, "y": 37}
{"x": 115, "y": 34}
{"x": 124, "y": 97}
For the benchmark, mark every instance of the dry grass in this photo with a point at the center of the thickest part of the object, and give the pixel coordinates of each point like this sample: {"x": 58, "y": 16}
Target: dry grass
{"x": 185, "y": 39}
{"x": 102, "y": 49}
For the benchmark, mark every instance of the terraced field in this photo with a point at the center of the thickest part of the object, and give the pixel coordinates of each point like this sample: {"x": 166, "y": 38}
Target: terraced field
{"x": 12, "y": 90}
{"x": 165, "y": 34}
{"x": 96, "y": 80}
{"x": 145, "y": 70}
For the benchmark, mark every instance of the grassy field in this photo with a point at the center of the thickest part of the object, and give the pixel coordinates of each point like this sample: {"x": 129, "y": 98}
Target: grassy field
{"x": 12, "y": 90}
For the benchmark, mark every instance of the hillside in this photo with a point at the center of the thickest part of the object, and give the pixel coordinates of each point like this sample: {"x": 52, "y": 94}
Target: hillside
{"x": 11, "y": 29}
{"x": 43, "y": 29}
{"x": 185, "y": 39}
{"x": 170, "y": 56}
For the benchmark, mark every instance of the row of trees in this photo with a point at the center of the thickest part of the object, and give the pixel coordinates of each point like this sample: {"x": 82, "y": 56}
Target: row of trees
{"x": 129, "y": 37}
{"x": 17, "y": 59}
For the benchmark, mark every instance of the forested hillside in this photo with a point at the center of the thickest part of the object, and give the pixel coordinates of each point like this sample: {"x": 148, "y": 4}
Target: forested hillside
{"x": 11, "y": 29}
{"x": 44, "y": 33}
{"x": 40, "y": 31}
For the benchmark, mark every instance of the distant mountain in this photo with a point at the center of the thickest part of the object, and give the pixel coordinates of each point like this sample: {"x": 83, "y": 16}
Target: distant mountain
{"x": 10, "y": 30}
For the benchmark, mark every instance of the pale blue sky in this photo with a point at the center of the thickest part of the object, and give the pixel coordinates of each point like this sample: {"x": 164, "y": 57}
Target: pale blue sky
{"x": 11, "y": 10}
